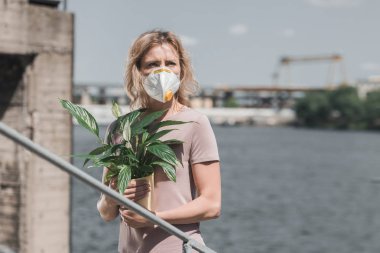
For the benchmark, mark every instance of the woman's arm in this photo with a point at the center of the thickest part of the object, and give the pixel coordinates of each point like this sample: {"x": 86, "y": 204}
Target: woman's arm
{"x": 107, "y": 207}
{"x": 206, "y": 206}
{"x": 208, "y": 203}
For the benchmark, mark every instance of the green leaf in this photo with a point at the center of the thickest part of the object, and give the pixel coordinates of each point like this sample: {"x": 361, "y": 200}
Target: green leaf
{"x": 132, "y": 158}
{"x": 99, "y": 163}
{"x": 128, "y": 152}
{"x": 164, "y": 152}
{"x": 94, "y": 158}
{"x": 168, "y": 169}
{"x": 138, "y": 131}
{"x": 145, "y": 136}
{"x": 116, "y": 147}
{"x": 148, "y": 119}
{"x": 131, "y": 116}
{"x": 87, "y": 158}
{"x": 143, "y": 171}
{"x": 124, "y": 177}
{"x": 158, "y": 135}
{"x": 172, "y": 142}
{"x": 82, "y": 156}
{"x": 169, "y": 123}
{"x": 110, "y": 174}
{"x": 127, "y": 131}
{"x": 116, "y": 109}
{"x": 95, "y": 152}
{"x": 108, "y": 159}
{"x": 84, "y": 118}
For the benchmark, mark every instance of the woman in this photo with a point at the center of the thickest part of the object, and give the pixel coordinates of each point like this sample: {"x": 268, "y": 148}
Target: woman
{"x": 154, "y": 58}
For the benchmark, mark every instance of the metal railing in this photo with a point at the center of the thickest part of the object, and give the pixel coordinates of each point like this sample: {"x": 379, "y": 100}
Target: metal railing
{"x": 188, "y": 243}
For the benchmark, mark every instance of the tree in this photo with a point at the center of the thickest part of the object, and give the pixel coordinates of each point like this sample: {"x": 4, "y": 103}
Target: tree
{"x": 372, "y": 107}
{"x": 341, "y": 108}
{"x": 231, "y": 102}
{"x": 313, "y": 110}
{"x": 347, "y": 110}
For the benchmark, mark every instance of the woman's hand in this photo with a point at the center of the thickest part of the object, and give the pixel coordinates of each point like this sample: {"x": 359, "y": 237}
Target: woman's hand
{"x": 108, "y": 207}
{"x": 113, "y": 185}
{"x": 136, "y": 190}
{"x": 134, "y": 220}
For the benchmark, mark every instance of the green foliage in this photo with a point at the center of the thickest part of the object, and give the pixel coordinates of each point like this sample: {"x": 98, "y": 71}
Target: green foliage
{"x": 84, "y": 118}
{"x": 168, "y": 169}
{"x": 347, "y": 107}
{"x": 372, "y": 108}
{"x": 116, "y": 109}
{"x": 164, "y": 152}
{"x": 124, "y": 177}
{"x": 313, "y": 110}
{"x": 231, "y": 102}
{"x": 341, "y": 108}
{"x": 140, "y": 149}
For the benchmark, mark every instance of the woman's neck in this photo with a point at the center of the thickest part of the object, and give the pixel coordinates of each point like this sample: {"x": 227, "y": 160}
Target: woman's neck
{"x": 172, "y": 107}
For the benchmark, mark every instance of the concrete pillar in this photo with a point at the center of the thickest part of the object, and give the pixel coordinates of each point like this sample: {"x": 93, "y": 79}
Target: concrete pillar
{"x": 36, "y": 61}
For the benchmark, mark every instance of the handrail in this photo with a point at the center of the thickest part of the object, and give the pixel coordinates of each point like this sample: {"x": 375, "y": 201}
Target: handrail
{"x": 188, "y": 242}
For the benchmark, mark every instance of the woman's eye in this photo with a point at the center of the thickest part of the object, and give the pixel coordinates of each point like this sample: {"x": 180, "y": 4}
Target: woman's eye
{"x": 171, "y": 63}
{"x": 152, "y": 65}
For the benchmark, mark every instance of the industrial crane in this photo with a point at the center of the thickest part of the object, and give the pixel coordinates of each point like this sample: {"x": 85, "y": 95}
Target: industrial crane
{"x": 335, "y": 60}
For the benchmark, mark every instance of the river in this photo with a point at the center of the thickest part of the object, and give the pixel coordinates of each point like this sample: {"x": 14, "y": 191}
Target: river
{"x": 284, "y": 190}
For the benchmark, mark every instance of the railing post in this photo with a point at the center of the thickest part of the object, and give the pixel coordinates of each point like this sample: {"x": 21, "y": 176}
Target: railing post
{"x": 187, "y": 247}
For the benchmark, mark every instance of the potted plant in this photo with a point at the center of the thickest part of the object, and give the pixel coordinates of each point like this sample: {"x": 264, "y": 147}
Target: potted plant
{"x": 138, "y": 150}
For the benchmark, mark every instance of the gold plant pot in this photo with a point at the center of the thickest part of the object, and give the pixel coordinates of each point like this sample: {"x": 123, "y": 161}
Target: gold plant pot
{"x": 147, "y": 201}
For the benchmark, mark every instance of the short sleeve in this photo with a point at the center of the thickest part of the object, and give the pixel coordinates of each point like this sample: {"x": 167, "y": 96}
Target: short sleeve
{"x": 203, "y": 144}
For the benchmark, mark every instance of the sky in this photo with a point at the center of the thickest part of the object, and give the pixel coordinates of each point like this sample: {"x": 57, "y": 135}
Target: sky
{"x": 234, "y": 43}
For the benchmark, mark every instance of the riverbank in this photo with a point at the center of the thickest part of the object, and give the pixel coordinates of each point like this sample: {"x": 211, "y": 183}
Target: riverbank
{"x": 217, "y": 116}
{"x": 341, "y": 108}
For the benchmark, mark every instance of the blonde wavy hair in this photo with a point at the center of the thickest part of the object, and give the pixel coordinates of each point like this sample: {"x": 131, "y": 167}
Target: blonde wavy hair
{"x": 134, "y": 79}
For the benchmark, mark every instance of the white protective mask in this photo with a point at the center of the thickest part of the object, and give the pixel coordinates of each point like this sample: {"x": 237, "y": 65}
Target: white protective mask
{"x": 161, "y": 84}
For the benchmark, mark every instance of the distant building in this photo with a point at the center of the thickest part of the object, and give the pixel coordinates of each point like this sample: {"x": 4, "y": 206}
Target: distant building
{"x": 367, "y": 85}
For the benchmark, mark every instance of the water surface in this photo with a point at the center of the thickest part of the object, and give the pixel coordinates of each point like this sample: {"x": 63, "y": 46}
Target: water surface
{"x": 284, "y": 190}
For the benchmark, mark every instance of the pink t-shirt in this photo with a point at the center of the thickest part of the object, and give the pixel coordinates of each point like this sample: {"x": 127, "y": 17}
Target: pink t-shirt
{"x": 199, "y": 146}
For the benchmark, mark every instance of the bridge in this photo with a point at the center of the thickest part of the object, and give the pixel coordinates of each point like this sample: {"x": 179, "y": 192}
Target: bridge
{"x": 253, "y": 96}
